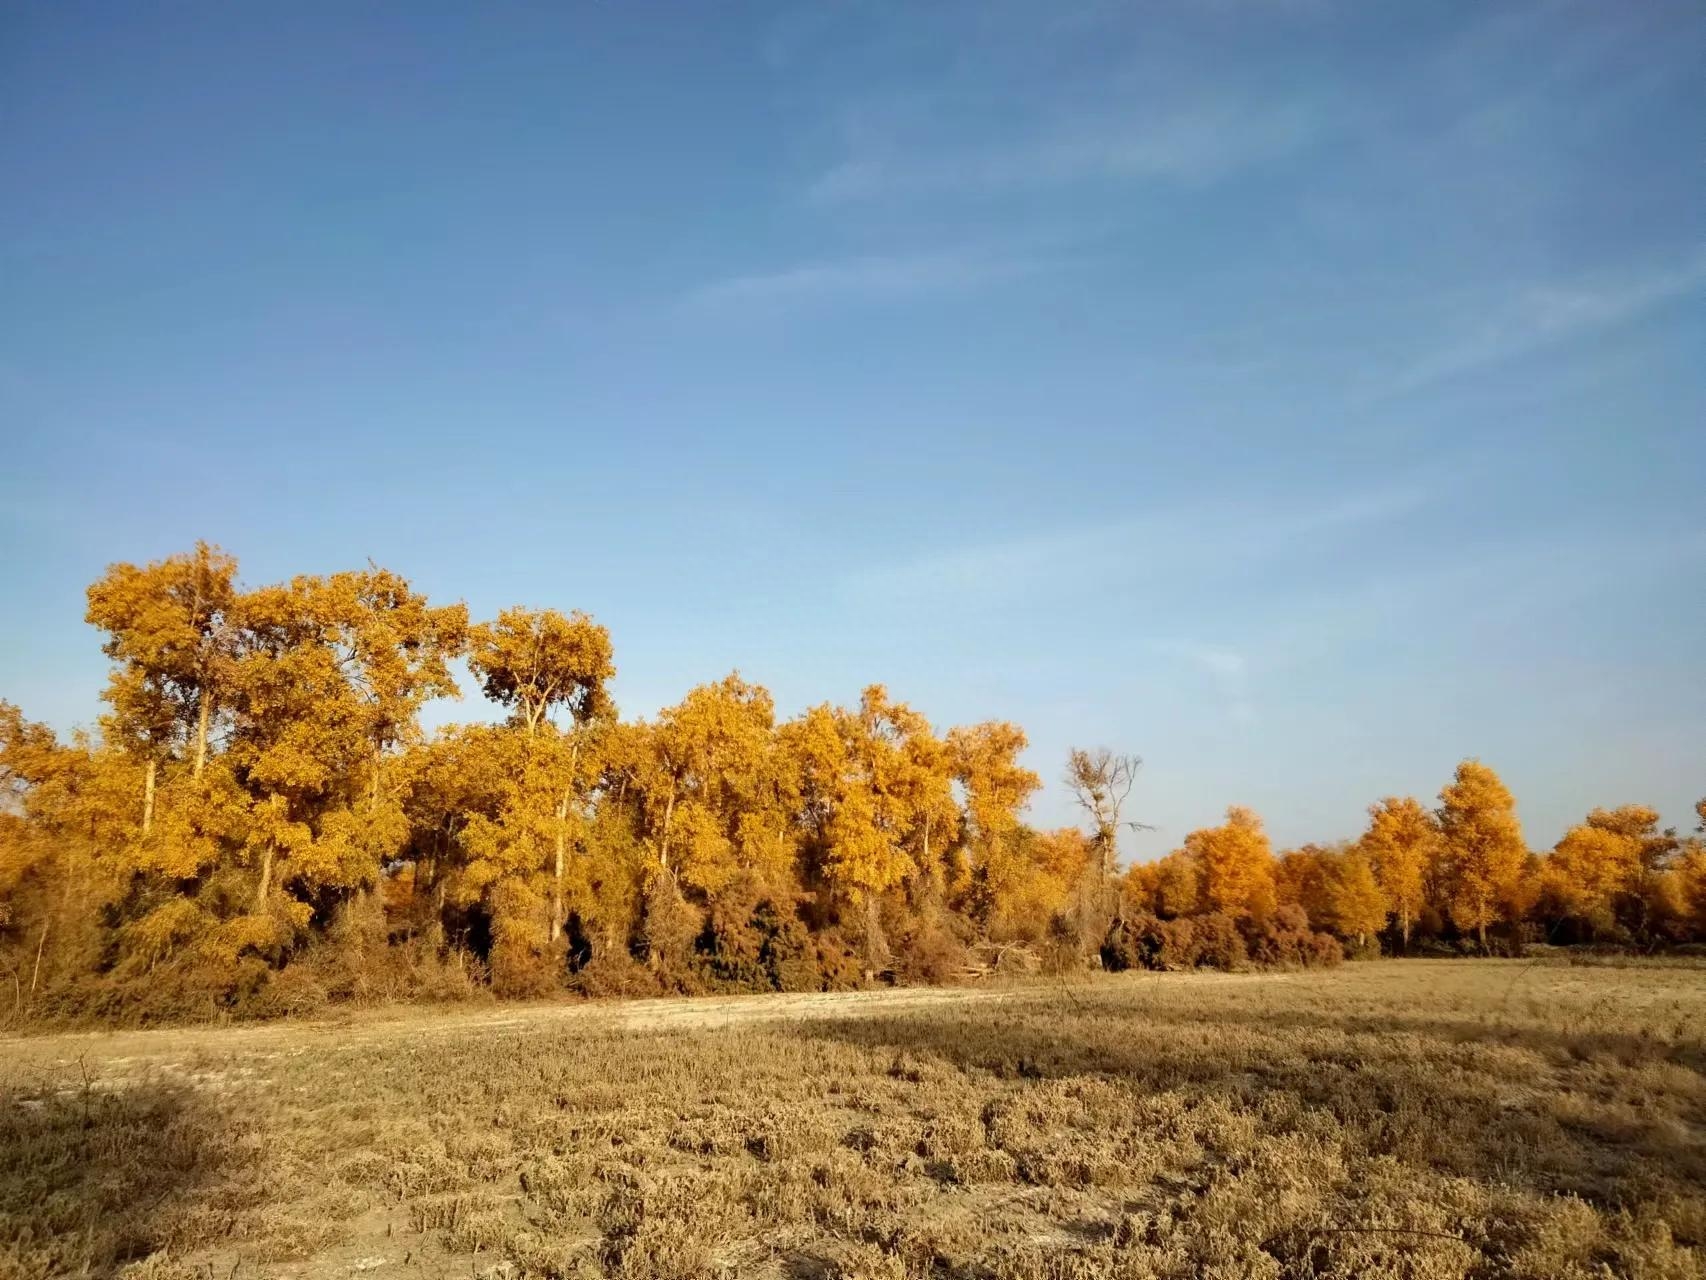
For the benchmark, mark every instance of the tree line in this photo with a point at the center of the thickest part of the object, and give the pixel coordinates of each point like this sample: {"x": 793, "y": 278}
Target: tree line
{"x": 260, "y": 824}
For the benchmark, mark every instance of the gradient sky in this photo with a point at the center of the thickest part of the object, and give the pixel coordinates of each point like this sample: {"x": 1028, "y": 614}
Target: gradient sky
{"x": 1302, "y": 395}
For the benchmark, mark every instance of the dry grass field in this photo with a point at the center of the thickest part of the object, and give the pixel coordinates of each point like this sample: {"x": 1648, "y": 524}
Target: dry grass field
{"x": 1420, "y": 1119}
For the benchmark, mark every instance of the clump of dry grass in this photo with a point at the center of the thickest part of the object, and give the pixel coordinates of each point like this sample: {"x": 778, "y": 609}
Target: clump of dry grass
{"x": 1411, "y": 1119}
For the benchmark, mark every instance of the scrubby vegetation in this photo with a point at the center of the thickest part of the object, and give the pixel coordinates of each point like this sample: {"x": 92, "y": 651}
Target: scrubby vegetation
{"x": 1443, "y": 1120}
{"x": 260, "y": 827}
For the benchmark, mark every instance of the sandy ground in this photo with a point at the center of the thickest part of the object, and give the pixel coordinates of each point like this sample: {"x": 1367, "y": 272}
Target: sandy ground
{"x": 110, "y": 1056}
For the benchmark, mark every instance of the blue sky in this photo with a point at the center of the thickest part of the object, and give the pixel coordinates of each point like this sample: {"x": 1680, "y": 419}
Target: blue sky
{"x": 1302, "y": 395}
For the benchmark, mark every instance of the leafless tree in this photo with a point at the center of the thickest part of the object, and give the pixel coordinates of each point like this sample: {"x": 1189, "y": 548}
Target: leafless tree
{"x": 1100, "y": 782}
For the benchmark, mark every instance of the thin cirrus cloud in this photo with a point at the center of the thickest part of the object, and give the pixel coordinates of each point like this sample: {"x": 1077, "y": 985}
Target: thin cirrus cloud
{"x": 870, "y": 278}
{"x": 1071, "y": 561}
{"x": 1548, "y": 315}
{"x": 1191, "y": 143}
{"x": 1227, "y": 669}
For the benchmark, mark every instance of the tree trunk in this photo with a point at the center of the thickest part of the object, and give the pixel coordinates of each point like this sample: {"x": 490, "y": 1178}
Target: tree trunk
{"x": 562, "y": 841}
{"x": 35, "y": 974}
{"x": 557, "y": 883}
{"x": 873, "y": 935}
{"x": 202, "y": 715}
{"x": 1404, "y": 918}
{"x": 668, "y": 813}
{"x": 266, "y": 877}
{"x": 148, "y": 795}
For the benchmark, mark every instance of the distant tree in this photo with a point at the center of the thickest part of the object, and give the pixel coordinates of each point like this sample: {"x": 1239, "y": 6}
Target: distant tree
{"x": 876, "y": 800}
{"x": 714, "y": 803}
{"x": 167, "y": 632}
{"x": 1177, "y": 886}
{"x": 535, "y": 661}
{"x": 1100, "y": 782}
{"x": 1357, "y": 906}
{"x": 1485, "y": 854}
{"x": 1603, "y": 872}
{"x": 1403, "y": 846}
{"x": 1235, "y": 866}
{"x": 985, "y": 762}
{"x": 1300, "y": 880}
{"x": 330, "y": 676}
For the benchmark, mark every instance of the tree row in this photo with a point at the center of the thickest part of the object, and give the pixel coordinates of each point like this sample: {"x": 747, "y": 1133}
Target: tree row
{"x": 260, "y": 824}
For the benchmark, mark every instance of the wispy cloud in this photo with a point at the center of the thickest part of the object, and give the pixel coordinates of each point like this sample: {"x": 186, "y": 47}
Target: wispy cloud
{"x": 1073, "y": 561}
{"x": 869, "y": 278}
{"x": 1543, "y": 316}
{"x": 1195, "y": 142}
{"x": 1228, "y": 669}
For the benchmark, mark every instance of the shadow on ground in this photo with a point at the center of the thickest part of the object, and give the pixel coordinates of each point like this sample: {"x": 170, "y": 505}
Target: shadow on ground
{"x": 92, "y": 1179}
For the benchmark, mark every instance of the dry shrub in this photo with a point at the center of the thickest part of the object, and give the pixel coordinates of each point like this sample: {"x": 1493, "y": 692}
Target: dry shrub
{"x": 522, "y": 970}
{"x": 836, "y": 962}
{"x": 669, "y": 929}
{"x": 1285, "y": 940}
{"x": 1140, "y": 941}
{"x": 1367, "y": 949}
{"x": 731, "y": 945}
{"x": 1216, "y": 941}
{"x": 613, "y": 973}
{"x": 294, "y": 992}
{"x": 1062, "y": 950}
{"x": 522, "y": 966}
{"x": 360, "y": 959}
{"x": 928, "y": 953}
{"x": 753, "y": 942}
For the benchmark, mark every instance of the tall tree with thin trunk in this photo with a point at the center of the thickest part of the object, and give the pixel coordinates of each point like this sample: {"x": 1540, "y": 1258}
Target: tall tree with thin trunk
{"x": 1485, "y": 854}
{"x": 1402, "y": 844}
{"x": 536, "y": 663}
{"x": 169, "y": 635}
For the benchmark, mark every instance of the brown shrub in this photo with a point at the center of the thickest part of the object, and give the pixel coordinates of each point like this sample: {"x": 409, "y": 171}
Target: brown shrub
{"x": 1218, "y": 942}
{"x": 1285, "y": 940}
{"x": 929, "y": 953}
{"x": 1141, "y": 941}
{"x": 613, "y": 973}
{"x": 752, "y": 942}
{"x": 293, "y": 992}
{"x": 669, "y": 928}
{"x": 521, "y": 971}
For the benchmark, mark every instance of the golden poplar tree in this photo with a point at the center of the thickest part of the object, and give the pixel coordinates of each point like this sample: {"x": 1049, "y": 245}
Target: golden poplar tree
{"x": 1484, "y": 852}
{"x": 1178, "y": 886}
{"x": 169, "y": 637}
{"x": 1235, "y": 866}
{"x": 1607, "y": 863}
{"x": 1357, "y": 907}
{"x": 715, "y": 799}
{"x": 1300, "y": 880}
{"x": 537, "y": 663}
{"x": 329, "y": 679}
{"x": 876, "y": 799}
{"x": 996, "y": 788}
{"x": 1403, "y": 846}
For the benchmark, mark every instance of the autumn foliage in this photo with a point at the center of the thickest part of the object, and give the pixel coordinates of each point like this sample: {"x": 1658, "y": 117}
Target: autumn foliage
{"x": 261, "y": 825}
